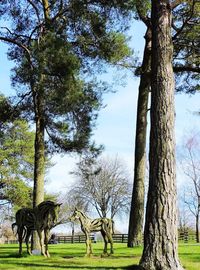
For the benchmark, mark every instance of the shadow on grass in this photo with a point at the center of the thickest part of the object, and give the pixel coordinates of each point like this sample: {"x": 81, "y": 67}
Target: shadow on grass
{"x": 14, "y": 255}
{"x": 7, "y": 247}
{"x": 133, "y": 267}
{"x": 194, "y": 257}
{"x": 63, "y": 257}
{"x": 56, "y": 266}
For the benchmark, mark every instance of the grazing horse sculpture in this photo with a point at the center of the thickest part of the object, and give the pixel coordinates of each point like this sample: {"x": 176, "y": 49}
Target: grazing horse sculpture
{"x": 104, "y": 225}
{"x": 41, "y": 218}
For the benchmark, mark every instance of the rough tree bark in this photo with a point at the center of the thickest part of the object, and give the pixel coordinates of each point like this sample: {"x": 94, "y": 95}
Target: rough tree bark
{"x": 160, "y": 237}
{"x": 136, "y": 219}
{"x": 39, "y": 162}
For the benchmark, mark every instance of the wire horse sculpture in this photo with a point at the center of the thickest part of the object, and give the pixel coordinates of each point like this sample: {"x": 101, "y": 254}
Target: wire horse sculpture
{"x": 41, "y": 218}
{"x": 104, "y": 225}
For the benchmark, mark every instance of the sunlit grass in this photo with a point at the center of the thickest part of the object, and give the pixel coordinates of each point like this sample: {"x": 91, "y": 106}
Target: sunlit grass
{"x": 71, "y": 256}
{"x": 190, "y": 256}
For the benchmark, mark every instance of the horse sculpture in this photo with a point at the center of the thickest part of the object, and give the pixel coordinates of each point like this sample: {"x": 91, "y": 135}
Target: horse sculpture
{"x": 104, "y": 225}
{"x": 41, "y": 218}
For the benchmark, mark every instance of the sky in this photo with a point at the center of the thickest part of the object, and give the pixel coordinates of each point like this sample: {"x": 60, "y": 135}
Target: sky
{"x": 115, "y": 127}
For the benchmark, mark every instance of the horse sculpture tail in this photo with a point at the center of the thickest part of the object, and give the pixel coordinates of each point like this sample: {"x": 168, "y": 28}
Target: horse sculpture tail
{"x": 15, "y": 232}
{"x": 13, "y": 228}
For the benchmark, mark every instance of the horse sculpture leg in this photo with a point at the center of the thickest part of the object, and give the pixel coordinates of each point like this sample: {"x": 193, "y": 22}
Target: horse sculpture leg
{"x": 41, "y": 239}
{"x": 88, "y": 245}
{"x": 27, "y": 238}
{"x": 111, "y": 247}
{"x": 105, "y": 251}
{"x": 105, "y": 239}
{"x": 20, "y": 232}
{"x": 108, "y": 230}
{"x": 46, "y": 239}
{"x": 110, "y": 239}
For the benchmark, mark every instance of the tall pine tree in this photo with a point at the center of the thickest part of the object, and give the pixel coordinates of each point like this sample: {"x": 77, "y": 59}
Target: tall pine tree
{"x": 54, "y": 44}
{"x": 160, "y": 237}
{"x": 186, "y": 68}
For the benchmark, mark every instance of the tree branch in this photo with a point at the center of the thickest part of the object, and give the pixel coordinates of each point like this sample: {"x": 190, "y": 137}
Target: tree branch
{"x": 185, "y": 22}
{"x": 186, "y": 68}
{"x": 6, "y": 39}
{"x": 143, "y": 18}
{"x": 176, "y": 3}
{"x": 36, "y": 9}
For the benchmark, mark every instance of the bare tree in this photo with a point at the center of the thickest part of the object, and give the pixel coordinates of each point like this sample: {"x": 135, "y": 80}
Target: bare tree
{"x": 190, "y": 164}
{"x": 103, "y": 185}
{"x": 70, "y": 201}
{"x": 6, "y": 231}
{"x": 184, "y": 219}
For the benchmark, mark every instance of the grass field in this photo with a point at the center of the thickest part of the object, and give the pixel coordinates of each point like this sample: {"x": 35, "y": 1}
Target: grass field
{"x": 71, "y": 256}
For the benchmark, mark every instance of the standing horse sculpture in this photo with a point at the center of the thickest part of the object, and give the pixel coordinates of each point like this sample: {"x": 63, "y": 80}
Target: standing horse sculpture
{"x": 41, "y": 218}
{"x": 104, "y": 225}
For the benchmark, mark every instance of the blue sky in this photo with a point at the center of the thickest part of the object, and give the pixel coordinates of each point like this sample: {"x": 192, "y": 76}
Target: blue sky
{"x": 116, "y": 123}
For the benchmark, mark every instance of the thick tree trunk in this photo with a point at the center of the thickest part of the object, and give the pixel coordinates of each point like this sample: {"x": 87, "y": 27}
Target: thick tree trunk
{"x": 160, "y": 237}
{"x": 135, "y": 233}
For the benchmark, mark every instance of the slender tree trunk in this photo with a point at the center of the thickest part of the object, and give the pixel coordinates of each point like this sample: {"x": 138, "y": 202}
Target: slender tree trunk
{"x": 39, "y": 165}
{"x": 197, "y": 228}
{"x": 136, "y": 219}
{"x": 38, "y": 191}
{"x": 160, "y": 236}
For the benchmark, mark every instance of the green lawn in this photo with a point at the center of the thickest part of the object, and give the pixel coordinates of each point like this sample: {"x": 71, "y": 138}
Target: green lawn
{"x": 71, "y": 256}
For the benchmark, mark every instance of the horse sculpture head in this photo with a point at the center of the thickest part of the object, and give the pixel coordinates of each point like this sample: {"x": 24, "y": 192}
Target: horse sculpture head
{"x": 76, "y": 215}
{"x": 50, "y": 211}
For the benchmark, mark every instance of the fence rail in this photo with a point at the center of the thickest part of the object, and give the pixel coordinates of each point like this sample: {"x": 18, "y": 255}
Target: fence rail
{"x": 117, "y": 238}
{"x": 73, "y": 239}
{"x": 120, "y": 238}
{"x": 184, "y": 237}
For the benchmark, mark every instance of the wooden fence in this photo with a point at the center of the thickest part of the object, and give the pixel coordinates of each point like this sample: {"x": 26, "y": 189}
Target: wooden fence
{"x": 117, "y": 238}
{"x": 184, "y": 237}
{"x": 73, "y": 239}
{"x": 120, "y": 238}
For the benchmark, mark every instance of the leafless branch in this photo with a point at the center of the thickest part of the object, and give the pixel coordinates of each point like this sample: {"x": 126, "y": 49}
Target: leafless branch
{"x": 176, "y": 3}
{"x": 35, "y": 8}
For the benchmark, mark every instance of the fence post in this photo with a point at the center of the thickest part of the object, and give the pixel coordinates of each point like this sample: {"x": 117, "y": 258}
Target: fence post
{"x": 186, "y": 236}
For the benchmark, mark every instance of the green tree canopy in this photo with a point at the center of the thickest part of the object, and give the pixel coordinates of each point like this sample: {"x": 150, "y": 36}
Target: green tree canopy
{"x": 186, "y": 40}
{"x": 16, "y": 162}
{"x": 56, "y": 47}
{"x": 55, "y": 50}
